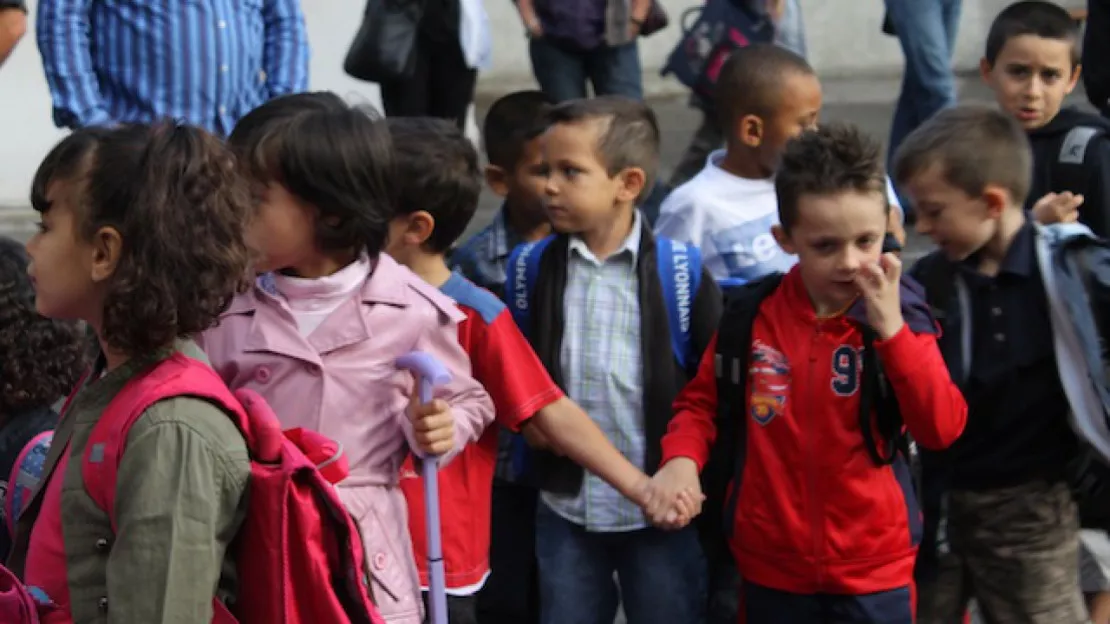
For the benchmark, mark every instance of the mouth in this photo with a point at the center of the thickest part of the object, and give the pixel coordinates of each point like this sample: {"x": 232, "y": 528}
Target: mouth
{"x": 1028, "y": 114}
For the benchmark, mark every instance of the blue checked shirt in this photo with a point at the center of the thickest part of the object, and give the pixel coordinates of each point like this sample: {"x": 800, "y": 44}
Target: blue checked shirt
{"x": 603, "y": 372}
{"x": 204, "y": 62}
{"x": 483, "y": 259}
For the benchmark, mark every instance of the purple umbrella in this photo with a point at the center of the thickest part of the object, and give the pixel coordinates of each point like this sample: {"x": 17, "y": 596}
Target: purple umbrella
{"x": 431, "y": 373}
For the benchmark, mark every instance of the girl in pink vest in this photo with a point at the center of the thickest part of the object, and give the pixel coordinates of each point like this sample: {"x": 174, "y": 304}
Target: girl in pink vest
{"x": 318, "y": 333}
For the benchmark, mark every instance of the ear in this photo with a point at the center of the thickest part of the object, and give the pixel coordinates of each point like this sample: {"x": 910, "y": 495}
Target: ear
{"x": 997, "y": 200}
{"x": 418, "y": 228}
{"x": 632, "y": 182}
{"x": 107, "y": 247}
{"x": 749, "y": 129}
{"x": 1075, "y": 77}
{"x": 985, "y": 70}
{"x": 783, "y": 239}
{"x": 497, "y": 179}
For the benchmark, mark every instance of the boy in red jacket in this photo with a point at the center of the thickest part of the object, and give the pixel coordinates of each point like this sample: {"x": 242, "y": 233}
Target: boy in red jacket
{"x": 822, "y": 530}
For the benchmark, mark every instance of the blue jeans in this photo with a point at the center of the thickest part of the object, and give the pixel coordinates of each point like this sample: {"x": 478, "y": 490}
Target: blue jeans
{"x": 771, "y": 606}
{"x": 927, "y": 31}
{"x": 562, "y": 71}
{"x": 661, "y": 574}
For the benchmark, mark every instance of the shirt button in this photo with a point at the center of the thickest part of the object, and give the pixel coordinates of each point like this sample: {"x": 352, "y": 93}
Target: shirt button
{"x": 223, "y": 68}
{"x": 996, "y": 311}
{"x": 223, "y": 110}
{"x": 102, "y": 545}
{"x": 221, "y": 24}
{"x": 102, "y": 604}
{"x": 1000, "y": 337}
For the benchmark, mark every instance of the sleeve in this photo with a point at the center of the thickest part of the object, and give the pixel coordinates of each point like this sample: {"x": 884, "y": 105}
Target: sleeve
{"x": 1096, "y": 49}
{"x": 679, "y": 219}
{"x": 285, "y": 53}
{"x": 505, "y": 363}
{"x": 64, "y": 40}
{"x": 932, "y": 406}
{"x": 180, "y": 499}
{"x": 469, "y": 401}
{"x": 692, "y": 430}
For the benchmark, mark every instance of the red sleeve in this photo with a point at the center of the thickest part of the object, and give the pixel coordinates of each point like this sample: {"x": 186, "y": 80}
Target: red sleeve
{"x": 692, "y": 431}
{"x": 505, "y": 364}
{"x": 932, "y": 406}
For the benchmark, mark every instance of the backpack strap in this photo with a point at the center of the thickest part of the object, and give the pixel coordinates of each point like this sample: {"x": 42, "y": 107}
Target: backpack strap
{"x": 876, "y": 396}
{"x": 26, "y": 474}
{"x": 679, "y": 267}
{"x": 1069, "y": 173}
{"x": 524, "y": 269}
{"x": 734, "y": 345}
{"x": 175, "y": 376}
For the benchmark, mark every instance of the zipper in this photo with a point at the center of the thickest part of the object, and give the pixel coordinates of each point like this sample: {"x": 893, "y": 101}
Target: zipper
{"x": 813, "y": 421}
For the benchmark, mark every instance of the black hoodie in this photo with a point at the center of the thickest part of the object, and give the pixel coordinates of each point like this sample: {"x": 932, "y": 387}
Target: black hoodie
{"x": 1096, "y": 51}
{"x": 1094, "y": 179}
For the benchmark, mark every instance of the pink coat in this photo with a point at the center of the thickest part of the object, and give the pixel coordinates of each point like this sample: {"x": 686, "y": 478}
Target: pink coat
{"x": 341, "y": 382}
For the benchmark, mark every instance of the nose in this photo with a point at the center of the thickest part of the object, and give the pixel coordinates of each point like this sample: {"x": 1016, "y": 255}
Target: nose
{"x": 550, "y": 187}
{"x": 923, "y": 226}
{"x": 848, "y": 261}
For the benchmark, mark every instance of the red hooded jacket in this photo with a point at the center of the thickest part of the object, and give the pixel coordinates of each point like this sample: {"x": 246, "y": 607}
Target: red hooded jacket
{"x": 815, "y": 514}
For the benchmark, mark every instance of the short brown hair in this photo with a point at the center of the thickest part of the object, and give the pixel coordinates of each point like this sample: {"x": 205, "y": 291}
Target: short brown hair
{"x": 832, "y": 159}
{"x": 181, "y": 208}
{"x": 629, "y": 135}
{"x": 974, "y": 146}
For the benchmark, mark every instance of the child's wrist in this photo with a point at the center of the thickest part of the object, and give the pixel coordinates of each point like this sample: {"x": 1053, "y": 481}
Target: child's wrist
{"x": 891, "y": 329}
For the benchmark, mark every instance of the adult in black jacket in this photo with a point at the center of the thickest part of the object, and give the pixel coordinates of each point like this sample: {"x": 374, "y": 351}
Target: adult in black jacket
{"x": 1096, "y": 55}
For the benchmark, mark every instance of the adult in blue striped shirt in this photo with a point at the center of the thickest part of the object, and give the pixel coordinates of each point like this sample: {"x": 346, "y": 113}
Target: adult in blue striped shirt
{"x": 205, "y": 62}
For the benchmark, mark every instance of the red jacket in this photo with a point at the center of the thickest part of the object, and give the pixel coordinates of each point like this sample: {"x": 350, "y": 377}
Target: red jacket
{"x": 815, "y": 514}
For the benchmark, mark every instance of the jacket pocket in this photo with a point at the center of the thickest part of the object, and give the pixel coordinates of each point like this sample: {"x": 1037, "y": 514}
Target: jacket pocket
{"x": 393, "y": 579}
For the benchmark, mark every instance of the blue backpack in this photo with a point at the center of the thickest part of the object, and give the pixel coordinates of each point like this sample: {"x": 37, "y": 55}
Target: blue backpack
{"x": 679, "y": 268}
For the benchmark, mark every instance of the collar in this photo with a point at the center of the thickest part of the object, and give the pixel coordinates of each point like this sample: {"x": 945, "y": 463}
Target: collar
{"x": 631, "y": 244}
{"x": 1021, "y": 257}
{"x": 499, "y": 236}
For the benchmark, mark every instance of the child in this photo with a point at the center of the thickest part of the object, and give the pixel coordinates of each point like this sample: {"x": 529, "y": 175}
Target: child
{"x": 40, "y": 361}
{"x": 517, "y": 173}
{"x": 1010, "y": 526}
{"x": 598, "y": 325}
{"x": 822, "y": 532}
{"x": 766, "y": 95}
{"x": 123, "y": 211}
{"x": 1032, "y": 64}
{"x": 439, "y": 191}
{"x": 318, "y": 335}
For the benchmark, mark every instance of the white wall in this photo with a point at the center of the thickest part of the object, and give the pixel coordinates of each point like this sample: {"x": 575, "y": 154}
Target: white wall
{"x": 843, "y": 37}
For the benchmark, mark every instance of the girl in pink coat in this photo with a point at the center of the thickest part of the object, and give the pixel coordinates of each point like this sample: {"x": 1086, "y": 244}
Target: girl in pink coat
{"x": 320, "y": 330}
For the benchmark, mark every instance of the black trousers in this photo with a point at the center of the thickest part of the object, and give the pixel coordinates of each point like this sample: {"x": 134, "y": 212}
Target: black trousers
{"x": 441, "y": 85}
{"x": 511, "y": 595}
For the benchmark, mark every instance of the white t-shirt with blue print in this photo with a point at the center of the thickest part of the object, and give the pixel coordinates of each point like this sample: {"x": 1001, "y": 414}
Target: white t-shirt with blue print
{"x": 729, "y": 218}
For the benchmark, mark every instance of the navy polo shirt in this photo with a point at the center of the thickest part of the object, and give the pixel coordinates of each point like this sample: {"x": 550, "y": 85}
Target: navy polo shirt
{"x": 1017, "y": 429}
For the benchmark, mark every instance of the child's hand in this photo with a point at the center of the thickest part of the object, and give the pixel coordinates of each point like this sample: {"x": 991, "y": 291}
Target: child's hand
{"x": 880, "y": 287}
{"x": 433, "y": 426}
{"x": 1057, "y": 208}
{"x": 674, "y": 495}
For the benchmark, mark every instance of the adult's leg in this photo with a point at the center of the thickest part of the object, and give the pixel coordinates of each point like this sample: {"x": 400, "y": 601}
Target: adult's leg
{"x": 662, "y": 576}
{"x": 450, "y": 84}
{"x": 616, "y": 71}
{"x": 560, "y": 71}
{"x": 576, "y": 572}
{"x": 409, "y": 97}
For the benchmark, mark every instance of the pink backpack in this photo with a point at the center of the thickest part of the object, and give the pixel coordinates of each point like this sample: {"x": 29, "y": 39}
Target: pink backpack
{"x": 300, "y": 556}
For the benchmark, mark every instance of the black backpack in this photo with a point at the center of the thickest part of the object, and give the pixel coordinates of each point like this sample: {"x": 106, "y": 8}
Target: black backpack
{"x": 727, "y": 456}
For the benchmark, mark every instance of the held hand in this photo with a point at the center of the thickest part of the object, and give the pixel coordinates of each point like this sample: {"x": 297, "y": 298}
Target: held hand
{"x": 675, "y": 494}
{"x": 433, "y": 426}
{"x": 879, "y": 284}
{"x": 1057, "y": 208}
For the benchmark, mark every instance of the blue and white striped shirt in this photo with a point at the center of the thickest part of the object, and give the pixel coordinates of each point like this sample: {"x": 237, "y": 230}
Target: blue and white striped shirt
{"x": 205, "y": 62}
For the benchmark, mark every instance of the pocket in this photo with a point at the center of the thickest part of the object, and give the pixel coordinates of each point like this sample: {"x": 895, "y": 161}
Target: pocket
{"x": 388, "y": 550}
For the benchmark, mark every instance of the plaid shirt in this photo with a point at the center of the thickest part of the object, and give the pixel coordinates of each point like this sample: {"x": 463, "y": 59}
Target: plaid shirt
{"x": 483, "y": 259}
{"x": 603, "y": 372}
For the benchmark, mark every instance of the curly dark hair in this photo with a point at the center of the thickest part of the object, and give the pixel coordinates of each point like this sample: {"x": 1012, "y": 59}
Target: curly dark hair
{"x": 180, "y": 206}
{"x": 40, "y": 358}
{"x": 834, "y": 158}
{"x": 334, "y": 156}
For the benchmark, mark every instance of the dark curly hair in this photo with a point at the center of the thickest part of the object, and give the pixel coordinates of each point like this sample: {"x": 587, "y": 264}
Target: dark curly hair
{"x": 40, "y": 358}
{"x": 333, "y": 156}
{"x": 180, "y": 206}
{"x": 832, "y": 159}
